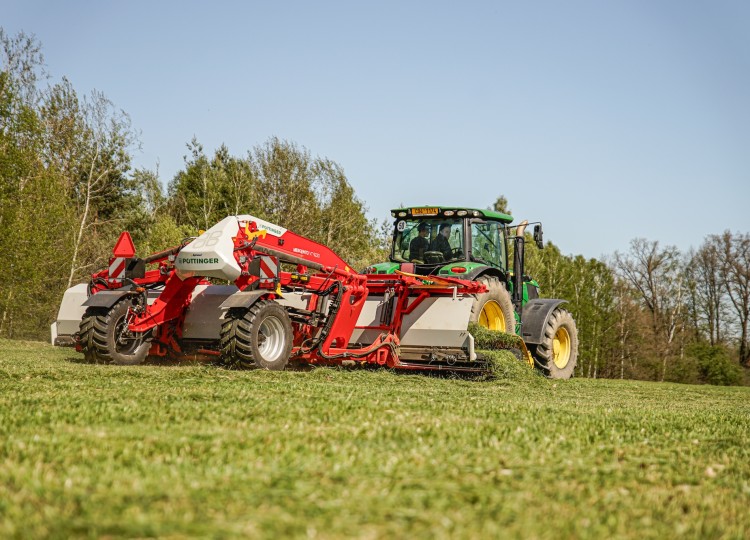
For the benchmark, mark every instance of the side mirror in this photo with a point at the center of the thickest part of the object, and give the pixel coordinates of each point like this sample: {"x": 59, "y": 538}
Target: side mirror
{"x": 539, "y": 236}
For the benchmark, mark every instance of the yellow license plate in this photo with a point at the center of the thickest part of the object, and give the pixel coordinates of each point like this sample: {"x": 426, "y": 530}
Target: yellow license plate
{"x": 424, "y": 211}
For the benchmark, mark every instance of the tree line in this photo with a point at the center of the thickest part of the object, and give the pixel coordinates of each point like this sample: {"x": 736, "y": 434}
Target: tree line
{"x": 654, "y": 312}
{"x": 68, "y": 188}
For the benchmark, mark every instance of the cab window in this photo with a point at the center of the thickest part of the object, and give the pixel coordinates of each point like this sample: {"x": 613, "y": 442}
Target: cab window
{"x": 421, "y": 241}
{"x": 487, "y": 243}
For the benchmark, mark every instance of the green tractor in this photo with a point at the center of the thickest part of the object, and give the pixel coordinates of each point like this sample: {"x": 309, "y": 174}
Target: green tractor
{"x": 475, "y": 244}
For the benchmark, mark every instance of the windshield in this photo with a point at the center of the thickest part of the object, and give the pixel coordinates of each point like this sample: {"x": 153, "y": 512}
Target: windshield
{"x": 487, "y": 243}
{"x": 428, "y": 241}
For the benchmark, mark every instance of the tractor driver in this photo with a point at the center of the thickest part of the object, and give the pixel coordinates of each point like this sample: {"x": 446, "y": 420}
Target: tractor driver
{"x": 441, "y": 244}
{"x": 419, "y": 244}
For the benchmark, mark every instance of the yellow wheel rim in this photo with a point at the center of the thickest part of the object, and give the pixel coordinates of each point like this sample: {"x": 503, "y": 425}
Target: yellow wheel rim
{"x": 492, "y": 316}
{"x": 561, "y": 348}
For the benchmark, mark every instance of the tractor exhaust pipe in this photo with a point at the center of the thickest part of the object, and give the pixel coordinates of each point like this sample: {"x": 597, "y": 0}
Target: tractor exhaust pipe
{"x": 518, "y": 265}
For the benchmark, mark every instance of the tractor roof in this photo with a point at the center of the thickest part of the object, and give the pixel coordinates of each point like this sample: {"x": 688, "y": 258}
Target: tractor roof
{"x": 449, "y": 211}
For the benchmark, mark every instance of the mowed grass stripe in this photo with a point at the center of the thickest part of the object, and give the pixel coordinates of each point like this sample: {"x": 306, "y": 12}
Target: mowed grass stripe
{"x": 194, "y": 450}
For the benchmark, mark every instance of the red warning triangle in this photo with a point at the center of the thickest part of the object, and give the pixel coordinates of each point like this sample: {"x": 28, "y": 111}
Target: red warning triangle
{"x": 124, "y": 246}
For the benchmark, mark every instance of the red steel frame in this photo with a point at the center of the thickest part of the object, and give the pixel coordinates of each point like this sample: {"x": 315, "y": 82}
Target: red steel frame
{"x": 317, "y": 268}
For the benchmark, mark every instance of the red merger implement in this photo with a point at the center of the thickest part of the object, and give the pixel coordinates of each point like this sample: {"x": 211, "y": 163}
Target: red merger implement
{"x": 315, "y": 309}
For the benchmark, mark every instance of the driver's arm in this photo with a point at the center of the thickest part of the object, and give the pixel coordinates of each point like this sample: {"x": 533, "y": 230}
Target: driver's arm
{"x": 448, "y": 251}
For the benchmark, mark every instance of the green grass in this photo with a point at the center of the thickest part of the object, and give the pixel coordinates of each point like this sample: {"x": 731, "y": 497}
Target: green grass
{"x": 198, "y": 451}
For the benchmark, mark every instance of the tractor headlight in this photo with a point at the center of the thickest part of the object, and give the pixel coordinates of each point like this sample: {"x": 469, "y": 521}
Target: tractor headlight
{"x": 448, "y": 213}
{"x": 462, "y": 212}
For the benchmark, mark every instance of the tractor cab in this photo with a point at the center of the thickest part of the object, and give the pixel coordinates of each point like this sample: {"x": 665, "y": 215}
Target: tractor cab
{"x": 449, "y": 240}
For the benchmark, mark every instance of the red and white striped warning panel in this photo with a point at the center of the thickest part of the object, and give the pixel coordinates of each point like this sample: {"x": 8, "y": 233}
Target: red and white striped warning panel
{"x": 269, "y": 268}
{"x": 117, "y": 267}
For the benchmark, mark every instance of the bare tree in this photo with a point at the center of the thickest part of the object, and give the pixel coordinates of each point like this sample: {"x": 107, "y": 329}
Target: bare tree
{"x": 22, "y": 59}
{"x": 657, "y": 276}
{"x": 707, "y": 290}
{"x": 103, "y": 149}
{"x": 624, "y": 307}
{"x": 734, "y": 257}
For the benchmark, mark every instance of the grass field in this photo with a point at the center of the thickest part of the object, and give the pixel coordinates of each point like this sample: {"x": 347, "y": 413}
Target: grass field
{"x": 198, "y": 451}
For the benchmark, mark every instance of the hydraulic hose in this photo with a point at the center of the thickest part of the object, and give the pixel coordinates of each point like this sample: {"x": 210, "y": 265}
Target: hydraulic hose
{"x": 285, "y": 257}
{"x": 162, "y": 254}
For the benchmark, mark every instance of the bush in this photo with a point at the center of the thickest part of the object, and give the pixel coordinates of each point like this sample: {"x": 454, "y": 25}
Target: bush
{"x": 715, "y": 365}
{"x": 685, "y": 371}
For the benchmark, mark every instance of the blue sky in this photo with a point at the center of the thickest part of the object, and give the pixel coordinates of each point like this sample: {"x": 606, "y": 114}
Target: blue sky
{"x": 606, "y": 120}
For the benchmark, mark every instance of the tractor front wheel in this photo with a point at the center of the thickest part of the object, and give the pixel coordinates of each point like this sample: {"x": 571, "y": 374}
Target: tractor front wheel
{"x": 258, "y": 337}
{"x": 494, "y": 309}
{"x": 113, "y": 342}
{"x": 558, "y": 352}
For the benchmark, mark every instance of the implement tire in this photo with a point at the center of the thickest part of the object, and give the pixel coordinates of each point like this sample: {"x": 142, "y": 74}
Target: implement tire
{"x": 494, "y": 308}
{"x": 90, "y": 319}
{"x": 258, "y": 337}
{"x": 112, "y": 341}
{"x": 557, "y": 354}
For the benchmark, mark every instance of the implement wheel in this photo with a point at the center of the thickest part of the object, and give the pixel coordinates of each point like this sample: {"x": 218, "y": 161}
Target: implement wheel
{"x": 258, "y": 337}
{"x": 558, "y": 352}
{"x": 494, "y": 309}
{"x": 92, "y": 317}
{"x": 111, "y": 339}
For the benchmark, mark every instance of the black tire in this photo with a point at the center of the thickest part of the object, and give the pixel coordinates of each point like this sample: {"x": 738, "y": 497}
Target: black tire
{"x": 258, "y": 337}
{"x": 113, "y": 343}
{"x": 86, "y": 334}
{"x": 497, "y": 306}
{"x": 557, "y": 355}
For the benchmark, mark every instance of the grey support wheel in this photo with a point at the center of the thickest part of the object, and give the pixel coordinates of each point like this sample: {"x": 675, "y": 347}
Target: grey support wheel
{"x": 258, "y": 337}
{"x": 558, "y": 352}
{"x": 494, "y": 308}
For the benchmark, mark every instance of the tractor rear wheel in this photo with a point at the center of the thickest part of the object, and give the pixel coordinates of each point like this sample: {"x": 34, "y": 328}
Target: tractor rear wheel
{"x": 258, "y": 337}
{"x": 558, "y": 352}
{"x": 113, "y": 341}
{"x": 493, "y": 309}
